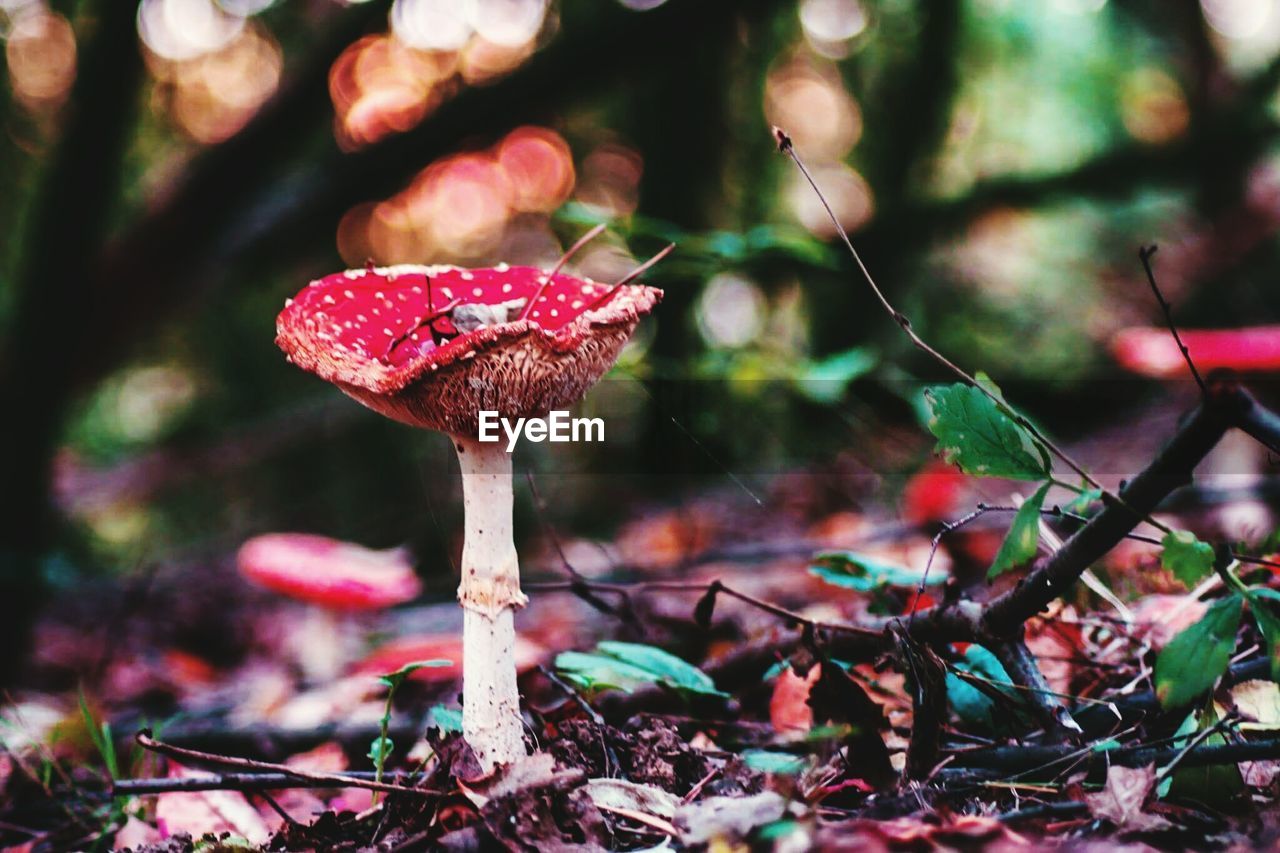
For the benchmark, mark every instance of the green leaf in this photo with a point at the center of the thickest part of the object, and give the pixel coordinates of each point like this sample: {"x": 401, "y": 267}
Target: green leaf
{"x": 1080, "y": 503}
{"x": 103, "y": 741}
{"x": 1187, "y": 557}
{"x": 380, "y": 750}
{"x": 392, "y": 680}
{"x": 669, "y": 669}
{"x": 981, "y": 440}
{"x": 851, "y": 570}
{"x": 1195, "y": 659}
{"x": 1269, "y": 627}
{"x": 825, "y": 380}
{"x": 1213, "y": 785}
{"x": 626, "y": 666}
{"x": 774, "y": 762}
{"x": 970, "y": 703}
{"x": 601, "y": 672}
{"x": 1023, "y": 538}
{"x": 445, "y": 719}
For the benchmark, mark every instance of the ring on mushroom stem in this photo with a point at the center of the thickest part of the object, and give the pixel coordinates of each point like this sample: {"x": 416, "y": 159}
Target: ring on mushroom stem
{"x": 524, "y": 343}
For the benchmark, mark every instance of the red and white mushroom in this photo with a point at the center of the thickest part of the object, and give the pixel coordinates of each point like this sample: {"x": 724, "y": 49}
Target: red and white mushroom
{"x": 432, "y": 347}
{"x": 1153, "y": 352}
{"x": 337, "y": 579}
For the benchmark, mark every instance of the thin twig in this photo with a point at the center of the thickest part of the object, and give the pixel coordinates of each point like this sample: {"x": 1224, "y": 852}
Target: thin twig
{"x": 1144, "y": 254}
{"x": 630, "y": 277}
{"x": 786, "y": 147}
{"x": 256, "y": 781}
{"x": 147, "y": 742}
{"x": 1200, "y": 738}
{"x": 564, "y": 259}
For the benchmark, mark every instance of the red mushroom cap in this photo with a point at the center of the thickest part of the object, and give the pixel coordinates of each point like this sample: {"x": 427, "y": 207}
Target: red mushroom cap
{"x": 383, "y": 335}
{"x": 332, "y": 574}
{"x": 1153, "y": 352}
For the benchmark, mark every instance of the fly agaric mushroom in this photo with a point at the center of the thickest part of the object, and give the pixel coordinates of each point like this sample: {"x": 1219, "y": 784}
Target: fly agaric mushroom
{"x": 337, "y": 579}
{"x": 1153, "y": 351}
{"x": 432, "y": 347}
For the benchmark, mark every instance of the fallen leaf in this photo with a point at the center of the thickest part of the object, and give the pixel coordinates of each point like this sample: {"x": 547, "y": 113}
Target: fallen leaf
{"x": 1056, "y": 643}
{"x": 1122, "y": 799}
{"x": 1160, "y": 618}
{"x": 198, "y": 812}
{"x": 135, "y": 833}
{"x": 1258, "y": 702}
{"x": 621, "y": 794}
{"x": 727, "y": 818}
{"x": 789, "y": 710}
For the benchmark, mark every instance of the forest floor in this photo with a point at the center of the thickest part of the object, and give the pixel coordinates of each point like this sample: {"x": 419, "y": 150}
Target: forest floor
{"x": 173, "y": 713}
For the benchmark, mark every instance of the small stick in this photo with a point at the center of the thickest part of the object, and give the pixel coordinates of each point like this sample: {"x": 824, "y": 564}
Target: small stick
{"x": 697, "y": 789}
{"x": 564, "y": 259}
{"x": 243, "y": 782}
{"x": 630, "y": 277}
{"x": 147, "y": 742}
{"x": 1144, "y": 254}
{"x": 651, "y": 821}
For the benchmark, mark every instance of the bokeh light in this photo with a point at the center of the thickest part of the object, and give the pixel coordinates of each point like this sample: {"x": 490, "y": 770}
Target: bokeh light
{"x": 217, "y": 93}
{"x": 610, "y": 181}
{"x": 464, "y": 206}
{"x": 1152, "y": 106}
{"x": 380, "y": 86}
{"x": 185, "y": 29}
{"x": 812, "y": 105}
{"x": 507, "y": 23}
{"x": 731, "y": 311}
{"x": 1237, "y": 18}
{"x": 847, "y": 192}
{"x": 538, "y": 167}
{"x": 831, "y": 25}
{"x": 41, "y": 57}
{"x": 431, "y": 24}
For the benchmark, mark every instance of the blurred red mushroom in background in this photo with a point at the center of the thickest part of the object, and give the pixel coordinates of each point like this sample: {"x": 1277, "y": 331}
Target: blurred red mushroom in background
{"x": 1152, "y": 351}
{"x": 433, "y": 347}
{"x": 337, "y": 579}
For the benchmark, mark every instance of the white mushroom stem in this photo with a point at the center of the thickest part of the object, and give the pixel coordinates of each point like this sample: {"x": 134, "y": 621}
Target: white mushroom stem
{"x": 490, "y": 595}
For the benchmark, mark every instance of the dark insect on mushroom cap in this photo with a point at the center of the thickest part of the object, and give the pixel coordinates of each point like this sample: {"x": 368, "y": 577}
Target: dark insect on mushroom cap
{"x": 433, "y": 346}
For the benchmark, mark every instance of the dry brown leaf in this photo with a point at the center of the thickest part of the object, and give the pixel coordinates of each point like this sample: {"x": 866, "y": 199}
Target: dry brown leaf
{"x": 1258, "y": 702}
{"x": 789, "y": 709}
{"x": 1122, "y": 799}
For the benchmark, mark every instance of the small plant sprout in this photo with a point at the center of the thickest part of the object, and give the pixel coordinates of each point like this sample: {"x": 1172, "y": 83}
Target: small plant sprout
{"x": 336, "y": 580}
{"x": 382, "y": 745}
{"x": 432, "y": 347}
